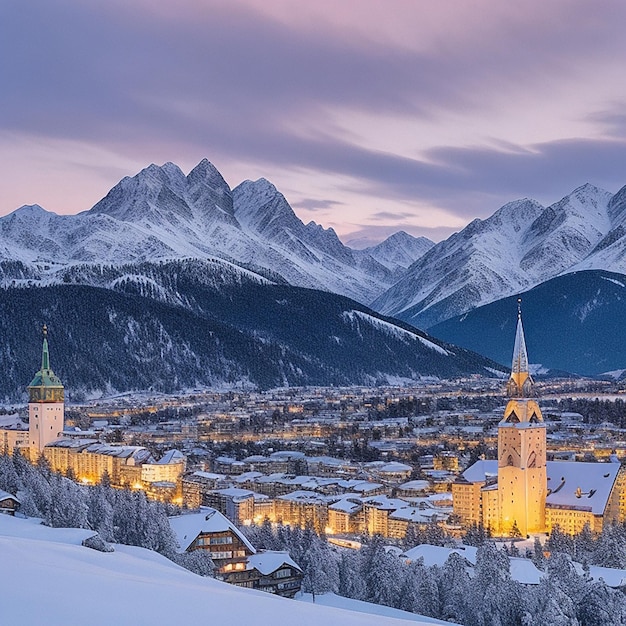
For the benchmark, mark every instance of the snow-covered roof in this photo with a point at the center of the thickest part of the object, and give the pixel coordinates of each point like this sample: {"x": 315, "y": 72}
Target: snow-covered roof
{"x": 384, "y": 503}
{"x": 438, "y": 555}
{"x": 524, "y": 571}
{"x": 583, "y": 486}
{"x": 304, "y": 496}
{"x": 346, "y": 505}
{"x": 417, "y": 515}
{"x": 269, "y": 561}
{"x": 242, "y": 478}
{"x": 5, "y": 495}
{"x": 187, "y": 527}
{"x": 392, "y": 468}
{"x": 171, "y": 456}
{"x": 236, "y": 492}
{"x": 209, "y": 475}
{"x": 12, "y": 422}
{"x": 612, "y": 577}
{"x": 286, "y": 455}
{"x": 480, "y": 471}
{"x": 415, "y": 485}
{"x": 365, "y": 486}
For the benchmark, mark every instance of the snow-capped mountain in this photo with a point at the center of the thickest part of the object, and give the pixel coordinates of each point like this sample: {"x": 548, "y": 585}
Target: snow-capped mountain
{"x": 610, "y": 252}
{"x": 162, "y": 214}
{"x": 522, "y": 245}
{"x": 399, "y": 251}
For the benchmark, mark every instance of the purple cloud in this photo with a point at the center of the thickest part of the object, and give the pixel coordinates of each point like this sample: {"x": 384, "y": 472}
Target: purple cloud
{"x": 244, "y": 83}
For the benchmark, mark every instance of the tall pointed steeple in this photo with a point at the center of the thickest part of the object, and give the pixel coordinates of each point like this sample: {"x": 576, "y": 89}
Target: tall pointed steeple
{"x": 46, "y": 385}
{"x": 45, "y": 355}
{"x": 521, "y": 384}
{"x": 522, "y": 473}
{"x": 46, "y": 404}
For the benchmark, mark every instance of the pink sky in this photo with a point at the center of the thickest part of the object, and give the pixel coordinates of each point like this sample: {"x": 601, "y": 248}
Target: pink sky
{"x": 370, "y": 117}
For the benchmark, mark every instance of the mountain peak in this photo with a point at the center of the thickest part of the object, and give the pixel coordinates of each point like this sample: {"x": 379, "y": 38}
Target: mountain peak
{"x": 34, "y": 210}
{"x": 205, "y": 172}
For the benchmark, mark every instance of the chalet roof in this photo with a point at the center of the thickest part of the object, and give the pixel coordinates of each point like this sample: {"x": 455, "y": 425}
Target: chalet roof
{"x": 5, "y": 495}
{"x": 186, "y": 528}
{"x": 268, "y": 561}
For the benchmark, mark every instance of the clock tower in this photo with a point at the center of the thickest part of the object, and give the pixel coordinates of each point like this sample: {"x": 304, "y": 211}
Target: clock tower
{"x": 46, "y": 408}
{"x": 522, "y": 475}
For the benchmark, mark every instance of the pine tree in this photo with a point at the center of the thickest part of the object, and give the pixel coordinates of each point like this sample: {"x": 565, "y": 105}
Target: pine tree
{"x": 351, "y": 583}
{"x": 538, "y": 557}
{"x": 454, "y": 588}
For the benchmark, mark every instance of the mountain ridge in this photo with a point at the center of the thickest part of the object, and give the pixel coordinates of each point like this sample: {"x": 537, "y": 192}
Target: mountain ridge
{"x": 161, "y": 214}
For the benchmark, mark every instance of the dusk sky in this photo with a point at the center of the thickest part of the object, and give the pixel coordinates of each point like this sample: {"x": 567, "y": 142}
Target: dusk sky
{"x": 369, "y": 116}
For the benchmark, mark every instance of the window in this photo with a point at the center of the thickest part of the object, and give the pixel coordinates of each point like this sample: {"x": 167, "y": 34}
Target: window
{"x": 283, "y": 573}
{"x": 221, "y": 555}
{"x": 221, "y": 540}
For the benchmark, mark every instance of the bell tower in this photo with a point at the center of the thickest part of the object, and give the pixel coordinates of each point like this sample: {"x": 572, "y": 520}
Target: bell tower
{"x": 46, "y": 405}
{"x": 522, "y": 475}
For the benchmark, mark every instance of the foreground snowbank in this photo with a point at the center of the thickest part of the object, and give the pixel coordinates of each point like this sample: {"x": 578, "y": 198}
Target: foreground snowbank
{"x": 47, "y": 577}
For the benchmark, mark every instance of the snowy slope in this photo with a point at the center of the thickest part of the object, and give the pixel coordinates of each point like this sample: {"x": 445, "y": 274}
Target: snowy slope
{"x": 521, "y": 245}
{"x": 610, "y": 251}
{"x": 49, "y": 578}
{"x": 465, "y": 270}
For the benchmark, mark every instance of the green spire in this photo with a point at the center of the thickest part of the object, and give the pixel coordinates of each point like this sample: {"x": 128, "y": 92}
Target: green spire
{"x": 45, "y": 357}
{"x": 46, "y": 386}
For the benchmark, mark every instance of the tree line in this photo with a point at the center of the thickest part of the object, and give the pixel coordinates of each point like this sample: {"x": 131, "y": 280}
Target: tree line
{"x": 484, "y": 595}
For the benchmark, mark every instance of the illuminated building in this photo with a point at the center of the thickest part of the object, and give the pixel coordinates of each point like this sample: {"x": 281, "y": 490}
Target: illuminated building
{"x": 523, "y": 493}
{"x": 46, "y": 408}
{"x": 88, "y": 459}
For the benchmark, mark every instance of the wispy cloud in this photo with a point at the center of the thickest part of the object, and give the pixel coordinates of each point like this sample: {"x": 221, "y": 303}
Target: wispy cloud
{"x": 493, "y": 100}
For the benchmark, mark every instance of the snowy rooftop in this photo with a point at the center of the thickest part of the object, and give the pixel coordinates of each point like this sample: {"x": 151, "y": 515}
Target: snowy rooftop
{"x": 171, "y": 456}
{"x": 584, "y": 486}
{"x": 438, "y": 555}
{"x": 5, "y": 495}
{"x": 415, "y": 485}
{"x": 384, "y": 503}
{"x": 188, "y": 527}
{"x": 415, "y": 514}
{"x": 346, "y": 505}
{"x": 12, "y": 422}
{"x": 304, "y": 496}
{"x": 209, "y": 475}
{"x": 236, "y": 492}
{"x": 269, "y": 561}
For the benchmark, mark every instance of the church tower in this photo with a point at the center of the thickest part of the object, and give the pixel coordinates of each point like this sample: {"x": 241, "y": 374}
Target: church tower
{"x": 46, "y": 407}
{"x": 522, "y": 476}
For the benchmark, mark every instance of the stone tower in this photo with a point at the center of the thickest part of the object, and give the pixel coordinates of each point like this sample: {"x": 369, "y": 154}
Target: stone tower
{"x": 46, "y": 408}
{"x": 522, "y": 476}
